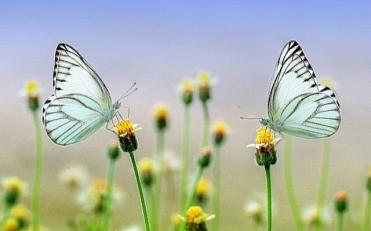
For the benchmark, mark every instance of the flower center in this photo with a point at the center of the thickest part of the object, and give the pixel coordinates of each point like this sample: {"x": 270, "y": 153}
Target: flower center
{"x": 264, "y": 136}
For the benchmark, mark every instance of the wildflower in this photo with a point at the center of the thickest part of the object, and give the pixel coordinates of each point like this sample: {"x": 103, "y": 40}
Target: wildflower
{"x": 14, "y": 188}
{"x": 125, "y": 129}
{"x": 204, "y": 86}
{"x": 341, "y": 202}
{"x": 205, "y": 158}
{"x": 21, "y": 214}
{"x": 74, "y": 177}
{"x": 11, "y": 224}
{"x": 220, "y": 130}
{"x": 314, "y": 218}
{"x": 203, "y": 190}
{"x": 31, "y": 92}
{"x": 161, "y": 116}
{"x": 327, "y": 82}
{"x": 196, "y": 219}
{"x": 93, "y": 198}
{"x": 187, "y": 89}
{"x": 172, "y": 162}
{"x": 146, "y": 169}
{"x": 113, "y": 150}
{"x": 265, "y": 147}
{"x": 175, "y": 220}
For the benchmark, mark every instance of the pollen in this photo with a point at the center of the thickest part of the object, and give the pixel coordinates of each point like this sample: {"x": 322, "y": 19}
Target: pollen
{"x": 264, "y": 136}
{"x": 126, "y": 128}
{"x": 195, "y": 215}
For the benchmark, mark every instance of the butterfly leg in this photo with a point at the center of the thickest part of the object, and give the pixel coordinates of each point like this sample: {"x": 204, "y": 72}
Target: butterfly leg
{"x": 108, "y": 128}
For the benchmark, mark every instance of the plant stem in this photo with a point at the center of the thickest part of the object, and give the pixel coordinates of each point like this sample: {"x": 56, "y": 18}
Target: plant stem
{"x": 185, "y": 158}
{"x": 321, "y": 199}
{"x": 340, "y": 222}
{"x": 216, "y": 194}
{"x": 158, "y": 183}
{"x": 4, "y": 217}
{"x": 108, "y": 199}
{"x": 269, "y": 196}
{"x": 367, "y": 213}
{"x": 37, "y": 173}
{"x": 290, "y": 185}
{"x": 206, "y": 128}
{"x": 140, "y": 189}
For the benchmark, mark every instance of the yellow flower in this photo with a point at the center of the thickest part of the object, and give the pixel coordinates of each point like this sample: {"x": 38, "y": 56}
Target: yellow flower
{"x": 265, "y": 143}
{"x": 219, "y": 131}
{"x": 203, "y": 187}
{"x": 161, "y": 116}
{"x": 204, "y": 86}
{"x": 204, "y": 79}
{"x": 13, "y": 184}
{"x": 196, "y": 218}
{"x": 125, "y": 129}
{"x": 146, "y": 165}
{"x": 327, "y": 82}
{"x": 20, "y": 212}
{"x": 11, "y": 224}
{"x": 31, "y": 89}
{"x": 187, "y": 86}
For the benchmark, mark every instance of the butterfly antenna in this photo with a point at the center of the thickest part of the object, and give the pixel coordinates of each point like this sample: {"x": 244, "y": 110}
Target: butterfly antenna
{"x": 250, "y": 118}
{"x": 129, "y": 91}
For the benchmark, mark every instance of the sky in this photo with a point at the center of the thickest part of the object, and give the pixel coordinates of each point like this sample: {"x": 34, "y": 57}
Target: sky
{"x": 158, "y": 43}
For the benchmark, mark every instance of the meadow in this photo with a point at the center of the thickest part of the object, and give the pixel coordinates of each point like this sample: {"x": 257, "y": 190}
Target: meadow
{"x": 196, "y": 77}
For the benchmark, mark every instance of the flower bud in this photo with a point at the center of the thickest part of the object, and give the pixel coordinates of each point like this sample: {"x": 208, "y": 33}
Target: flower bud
{"x": 146, "y": 169}
{"x": 202, "y": 191}
{"x": 161, "y": 116}
{"x": 125, "y": 129}
{"x": 341, "y": 202}
{"x": 205, "y": 158}
{"x": 187, "y": 89}
{"x": 219, "y": 132}
{"x": 204, "y": 86}
{"x": 113, "y": 150}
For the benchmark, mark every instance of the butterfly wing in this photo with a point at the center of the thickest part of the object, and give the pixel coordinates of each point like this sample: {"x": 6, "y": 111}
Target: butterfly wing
{"x": 80, "y": 103}
{"x": 297, "y": 104}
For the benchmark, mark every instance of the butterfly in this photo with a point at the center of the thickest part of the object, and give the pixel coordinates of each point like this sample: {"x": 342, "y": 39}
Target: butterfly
{"x": 298, "y": 105}
{"x": 81, "y": 102}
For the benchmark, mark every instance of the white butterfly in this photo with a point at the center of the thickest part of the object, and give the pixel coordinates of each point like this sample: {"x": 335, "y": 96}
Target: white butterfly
{"x": 298, "y": 105}
{"x": 81, "y": 103}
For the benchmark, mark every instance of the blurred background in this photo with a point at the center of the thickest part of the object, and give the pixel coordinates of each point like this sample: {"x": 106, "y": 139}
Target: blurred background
{"x": 157, "y": 44}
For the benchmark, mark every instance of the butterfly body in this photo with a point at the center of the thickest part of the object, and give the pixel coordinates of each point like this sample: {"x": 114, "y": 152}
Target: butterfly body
{"x": 80, "y": 104}
{"x": 298, "y": 105}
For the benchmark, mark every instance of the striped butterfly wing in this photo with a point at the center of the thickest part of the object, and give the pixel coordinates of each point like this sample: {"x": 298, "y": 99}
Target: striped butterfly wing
{"x": 80, "y": 103}
{"x": 297, "y": 103}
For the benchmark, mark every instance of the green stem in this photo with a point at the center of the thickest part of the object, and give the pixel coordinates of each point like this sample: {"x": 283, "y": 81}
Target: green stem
{"x": 185, "y": 159}
{"x": 159, "y": 179}
{"x": 108, "y": 199}
{"x": 367, "y": 213}
{"x": 4, "y": 217}
{"x": 37, "y": 173}
{"x": 340, "y": 222}
{"x": 216, "y": 194}
{"x": 140, "y": 189}
{"x": 290, "y": 185}
{"x": 206, "y": 128}
{"x": 269, "y": 196}
{"x": 192, "y": 194}
{"x": 324, "y": 179}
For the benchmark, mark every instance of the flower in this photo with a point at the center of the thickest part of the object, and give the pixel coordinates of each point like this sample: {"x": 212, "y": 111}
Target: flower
{"x": 172, "y": 162}
{"x": 14, "y": 188}
{"x": 313, "y": 217}
{"x": 93, "y": 198}
{"x": 327, "y": 82}
{"x": 113, "y": 150}
{"x": 196, "y": 219}
{"x": 146, "y": 169}
{"x": 219, "y": 131}
{"x": 341, "y": 201}
{"x": 265, "y": 147}
{"x": 255, "y": 210}
{"x": 11, "y": 224}
{"x": 175, "y": 220}
{"x": 21, "y": 214}
{"x": 205, "y": 158}
{"x": 187, "y": 89}
{"x": 202, "y": 190}
{"x": 31, "y": 91}
{"x": 161, "y": 116}
{"x": 125, "y": 129}
{"x": 74, "y": 177}
{"x": 204, "y": 86}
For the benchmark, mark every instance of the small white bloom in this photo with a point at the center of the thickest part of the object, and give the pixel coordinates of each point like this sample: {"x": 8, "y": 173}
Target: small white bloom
{"x": 132, "y": 228}
{"x": 74, "y": 177}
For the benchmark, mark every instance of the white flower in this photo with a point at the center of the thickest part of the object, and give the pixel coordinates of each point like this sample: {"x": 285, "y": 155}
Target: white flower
{"x": 172, "y": 162}
{"x": 312, "y": 216}
{"x": 132, "y": 228}
{"x": 74, "y": 177}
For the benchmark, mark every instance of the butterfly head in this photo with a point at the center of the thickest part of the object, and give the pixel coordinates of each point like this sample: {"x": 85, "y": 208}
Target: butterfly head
{"x": 116, "y": 105}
